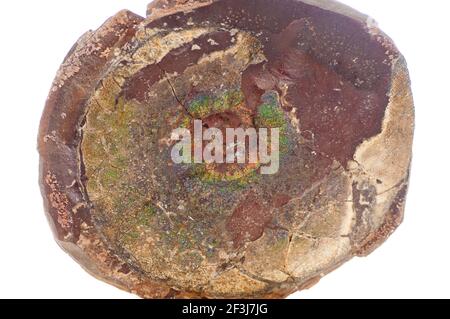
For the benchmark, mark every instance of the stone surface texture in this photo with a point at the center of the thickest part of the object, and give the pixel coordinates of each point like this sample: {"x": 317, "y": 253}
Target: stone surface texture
{"x": 335, "y": 85}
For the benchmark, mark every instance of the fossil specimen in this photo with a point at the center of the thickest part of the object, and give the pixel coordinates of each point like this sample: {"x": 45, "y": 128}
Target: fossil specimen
{"x": 334, "y": 85}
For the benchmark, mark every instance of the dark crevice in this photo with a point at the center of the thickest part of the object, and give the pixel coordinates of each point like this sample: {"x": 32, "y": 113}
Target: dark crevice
{"x": 174, "y": 92}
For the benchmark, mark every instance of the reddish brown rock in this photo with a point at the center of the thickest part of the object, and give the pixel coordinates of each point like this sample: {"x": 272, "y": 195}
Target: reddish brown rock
{"x": 325, "y": 75}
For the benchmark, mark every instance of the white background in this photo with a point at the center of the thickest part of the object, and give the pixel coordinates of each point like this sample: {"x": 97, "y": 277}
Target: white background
{"x": 35, "y": 37}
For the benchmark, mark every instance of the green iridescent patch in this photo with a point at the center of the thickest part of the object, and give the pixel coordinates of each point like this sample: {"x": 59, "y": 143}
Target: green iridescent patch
{"x": 204, "y": 104}
{"x": 271, "y": 115}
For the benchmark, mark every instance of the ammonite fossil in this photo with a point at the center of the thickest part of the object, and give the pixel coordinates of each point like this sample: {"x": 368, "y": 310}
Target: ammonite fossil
{"x": 334, "y": 86}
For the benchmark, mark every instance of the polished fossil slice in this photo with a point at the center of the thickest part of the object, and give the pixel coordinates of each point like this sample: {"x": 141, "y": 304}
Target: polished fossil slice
{"x": 334, "y": 85}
